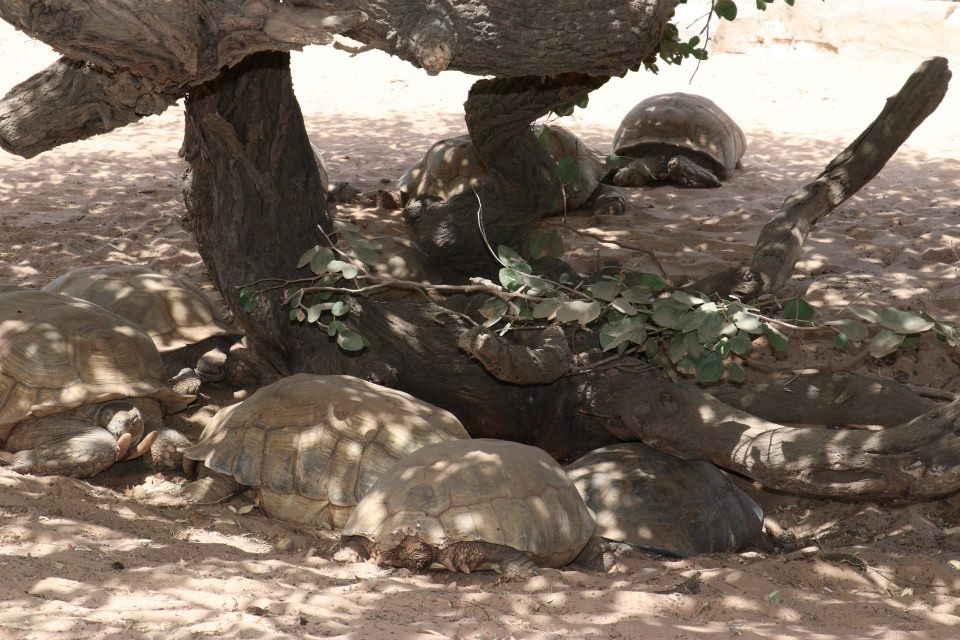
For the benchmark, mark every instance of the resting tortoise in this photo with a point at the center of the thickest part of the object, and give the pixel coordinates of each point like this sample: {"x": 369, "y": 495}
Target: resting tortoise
{"x": 79, "y": 385}
{"x": 336, "y": 190}
{"x": 678, "y": 137}
{"x": 313, "y": 445}
{"x": 186, "y": 327}
{"x": 474, "y": 504}
{"x": 451, "y": 167}
{"x": 654, "y": 501}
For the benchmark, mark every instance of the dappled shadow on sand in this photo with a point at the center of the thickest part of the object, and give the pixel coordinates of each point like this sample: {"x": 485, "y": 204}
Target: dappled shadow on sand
{"x": 85, "y": 561}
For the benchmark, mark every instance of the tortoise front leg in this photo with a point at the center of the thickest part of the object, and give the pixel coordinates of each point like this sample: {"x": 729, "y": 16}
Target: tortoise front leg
{"x": 687, "y": 173}
{"x": 61, "y": 445}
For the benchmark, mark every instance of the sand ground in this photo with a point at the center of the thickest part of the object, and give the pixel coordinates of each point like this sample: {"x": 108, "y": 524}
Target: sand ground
{"x": 81, "y": 560}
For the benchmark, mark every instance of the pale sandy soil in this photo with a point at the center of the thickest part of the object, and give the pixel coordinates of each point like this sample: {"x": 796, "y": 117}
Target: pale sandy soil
{"x": 93, "y": 561}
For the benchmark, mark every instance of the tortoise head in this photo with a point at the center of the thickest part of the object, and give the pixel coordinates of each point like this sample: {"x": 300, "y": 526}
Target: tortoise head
{"x": 121, "y": 417}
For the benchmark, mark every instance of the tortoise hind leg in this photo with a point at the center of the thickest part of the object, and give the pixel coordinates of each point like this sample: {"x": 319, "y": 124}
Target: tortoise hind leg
{"x": 687, "y": 173}
{"x": 61, "y": 446}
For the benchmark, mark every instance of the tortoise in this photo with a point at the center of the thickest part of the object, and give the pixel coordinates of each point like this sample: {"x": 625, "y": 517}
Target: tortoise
{"x": 678, "y": 137}
{"x": 79, "y": 385}
{"x": 659, "y": 503}
{"x": 451, "y": 167}
{"x": 183, "y": 322}
{"x": 313, "y": 445}
{"x": 336, "y": 190}
{"x": 467, "y": 505}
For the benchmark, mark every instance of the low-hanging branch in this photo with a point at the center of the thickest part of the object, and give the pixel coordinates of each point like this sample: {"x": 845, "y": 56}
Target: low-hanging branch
{"x": 129, "y": 58}
{"x": 781, "y": 240}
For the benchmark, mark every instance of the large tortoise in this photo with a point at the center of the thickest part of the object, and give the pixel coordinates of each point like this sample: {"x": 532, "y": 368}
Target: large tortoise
{"x": 653, "y": 501}
{"x": 79, "y": 385}
{"x": 678, "y": 137}
{"x": 313, "y": 445}
{"x": 474, "y": 504}
{"x": 183, "y": 322}
{"x": 452, "y": 166}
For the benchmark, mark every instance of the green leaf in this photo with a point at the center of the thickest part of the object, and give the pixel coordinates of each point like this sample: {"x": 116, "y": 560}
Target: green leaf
{"x": 307, "y": 256}
{"x": 612, "y": 162}
{"x": 654, "y": 283}
{"x": 902, "y": 321}
{"x": 840, "y": 340}
{"x": 726, "y": 9}
{"x": 568, "y": 171}
{"x": 668, "y": 313}
{"x": 605, "y": 290}
{"x": 350, "y": 340}
{"x": 335, "y": 327}
{"x": 863, "y": 313}
{"x": 911, "y": 340}
{"x": 345, "y": 269}
{"x": 650, "y": 349}
{"x": 320, "y": 260}
{"x": 885, "y": 343}
{"x": 247, "y": 299}
{"x": 735, "y": 373}
{"x": 579, "y": 310}
{"x": 710, "y": 369}
{"x": 711, "y": 327}
{"x": 512, "y": 259}
{"x": 315, "y": 311}
{"x": 297, "y": 315}
{"x": 748, "y": 322}
{"x": 853, "y": 330}
{"x": 545, "y": 244}
{"x": 741, "y": 344}
{"x": 547, "y": 309}
{"x": 624, "y": 307}
{"x": 339, "y": 308}
{"x": 777, "y": 339}
{"x": 544, "y": 136}
{"x": 691, "y": 320}
{"x": 691, "y": 344}
{"x": 687, "y": 298}
{"x": 613, "y": 334}
{"x": 676, "y": 348}
{"x": 637, "y": 295}
{"x": 294, "y": 296}
{"x": 493, "y": 309}
{"x": 799, "y": 309}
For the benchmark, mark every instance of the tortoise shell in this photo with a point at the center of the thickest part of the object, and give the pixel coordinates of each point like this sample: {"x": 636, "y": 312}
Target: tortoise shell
{"x": 676, "y": 122}
{"x": 59, "y": 353}
{"x": 172, "y": 311}
{"x": 652, "y": 500}
{"x": 314, "y": 445}
{"x": 452, "y": 166}
{"x": 481, "y": 490}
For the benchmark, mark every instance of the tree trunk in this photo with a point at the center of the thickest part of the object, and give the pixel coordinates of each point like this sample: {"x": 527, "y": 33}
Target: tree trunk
{"x": 255, "y": 200}
{"x": 523, "y": 185}
{"x": 145, "y": 54}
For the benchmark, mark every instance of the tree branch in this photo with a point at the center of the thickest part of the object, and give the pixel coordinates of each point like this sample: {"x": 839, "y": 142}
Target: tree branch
{"x": 781, "y": 240}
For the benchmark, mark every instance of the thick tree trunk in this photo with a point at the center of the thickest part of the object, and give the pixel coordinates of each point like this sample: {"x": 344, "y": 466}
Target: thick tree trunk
{"x": 523, "y": 184}
{"x": 781, "y": 240}
{"x": 144, "y": 54}
{"x": 246, "y": 142}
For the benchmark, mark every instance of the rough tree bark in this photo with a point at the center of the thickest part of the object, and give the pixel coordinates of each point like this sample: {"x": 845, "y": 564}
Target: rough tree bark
{"x": 414, "y": 344}
{"x": 523, "y": 184}
{"x": 144, "y": 54}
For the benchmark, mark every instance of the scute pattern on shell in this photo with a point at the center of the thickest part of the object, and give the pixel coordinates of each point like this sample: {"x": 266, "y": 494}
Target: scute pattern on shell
{"x": 452, "y": 166}
{"x": 494, "y": 491}
{"x": 682, "y": 121}
{"x": 652, "y": 500}
{"x": 172, "y": 311}
{"x": 314, "y": 445}
{"x": 59, "y": 352}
